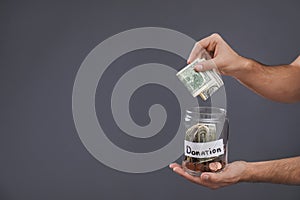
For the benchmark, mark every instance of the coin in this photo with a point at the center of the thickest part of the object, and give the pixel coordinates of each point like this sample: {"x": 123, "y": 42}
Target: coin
{"x": 215, "y": 166}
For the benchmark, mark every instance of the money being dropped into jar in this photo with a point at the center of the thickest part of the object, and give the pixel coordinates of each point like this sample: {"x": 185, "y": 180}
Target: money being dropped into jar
{"x": 200, "y": 83}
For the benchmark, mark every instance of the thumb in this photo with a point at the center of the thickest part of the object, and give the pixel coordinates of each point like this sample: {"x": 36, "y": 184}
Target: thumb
{"x": 206, "y": 65}
{"x": 210, "y": 177}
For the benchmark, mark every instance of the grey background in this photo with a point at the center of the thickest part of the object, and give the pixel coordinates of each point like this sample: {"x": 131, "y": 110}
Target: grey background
{"x": 42, "y": 45}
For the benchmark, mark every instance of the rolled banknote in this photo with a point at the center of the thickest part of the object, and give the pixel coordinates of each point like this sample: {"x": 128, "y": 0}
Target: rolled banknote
{"x": 201, "y": 133}
{"x": 200, "y": 83}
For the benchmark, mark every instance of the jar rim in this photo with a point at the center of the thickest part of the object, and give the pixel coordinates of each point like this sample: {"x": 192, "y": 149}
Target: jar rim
{"x": 207, "y": 110}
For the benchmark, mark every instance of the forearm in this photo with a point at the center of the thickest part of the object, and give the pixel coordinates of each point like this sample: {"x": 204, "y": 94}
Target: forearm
{"x": 283, "y": 171}
{"x": 278, "y": 83}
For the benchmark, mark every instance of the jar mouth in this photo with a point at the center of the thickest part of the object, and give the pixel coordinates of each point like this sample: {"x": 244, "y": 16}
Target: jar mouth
{"x": 205, "y": 114}
{"x": 207, "y": 110}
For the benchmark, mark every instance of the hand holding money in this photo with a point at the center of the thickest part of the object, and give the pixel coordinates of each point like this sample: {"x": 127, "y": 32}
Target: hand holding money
{"x": 223, "y": 56}
{"x": 200, "y": 83}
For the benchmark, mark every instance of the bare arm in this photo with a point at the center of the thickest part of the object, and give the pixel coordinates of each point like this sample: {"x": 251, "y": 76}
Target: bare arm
{"x": 283, "y": 171}
{"x": 279, "y": 83}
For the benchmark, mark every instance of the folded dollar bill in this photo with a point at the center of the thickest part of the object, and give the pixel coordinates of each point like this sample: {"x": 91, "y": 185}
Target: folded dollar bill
{"x": 200, "y": 83}
{"x": 201, "y": 133}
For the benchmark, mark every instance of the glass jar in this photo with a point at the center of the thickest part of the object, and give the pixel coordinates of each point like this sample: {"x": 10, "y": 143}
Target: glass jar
{"x": 206, "y": 139}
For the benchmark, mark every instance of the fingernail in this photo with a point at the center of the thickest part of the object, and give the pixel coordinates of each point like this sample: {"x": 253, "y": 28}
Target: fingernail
{"x": 199, "y": 67}
{"x": 174, "y": 169}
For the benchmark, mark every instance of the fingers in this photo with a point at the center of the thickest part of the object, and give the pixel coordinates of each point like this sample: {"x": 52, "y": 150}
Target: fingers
{"x": 173, "y": 165}
{"x": 206, "y": 179}
{"x": 198, "y": 51}
{"x": 211, "y": 180}
{"x": 195, "y": 52}
{"x": 178, "y": 170}
{"x": 206, "y": 65}
{"x": 209, "y": 44}
{"x": 209, "y": 177}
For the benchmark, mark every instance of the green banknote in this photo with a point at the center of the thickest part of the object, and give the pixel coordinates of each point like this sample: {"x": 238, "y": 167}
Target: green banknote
{"x": 200, "y": 83}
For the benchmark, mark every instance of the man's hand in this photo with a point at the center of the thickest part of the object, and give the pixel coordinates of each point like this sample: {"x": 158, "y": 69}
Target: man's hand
{"x": 283, "y": 171}
{"x": 225, "y": 58}
{"x": 280, "y": 83}
{"x": 232, "y": 173}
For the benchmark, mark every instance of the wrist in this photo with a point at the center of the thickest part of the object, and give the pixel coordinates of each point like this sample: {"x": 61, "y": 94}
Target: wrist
{"x": 247, "y": 68}
{"x": 244, "y": 66}
{"x": 247, "y": 175}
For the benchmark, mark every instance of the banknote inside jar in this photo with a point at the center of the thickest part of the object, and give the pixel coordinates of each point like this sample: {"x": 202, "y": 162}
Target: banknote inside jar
{"x": 203, "y": 133}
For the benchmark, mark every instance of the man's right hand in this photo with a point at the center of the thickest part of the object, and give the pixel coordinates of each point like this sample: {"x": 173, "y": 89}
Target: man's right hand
{"x": 225, "y": 58}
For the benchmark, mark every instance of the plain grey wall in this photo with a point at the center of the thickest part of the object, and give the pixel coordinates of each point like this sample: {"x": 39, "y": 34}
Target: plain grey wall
{"x": 42, "y": 45}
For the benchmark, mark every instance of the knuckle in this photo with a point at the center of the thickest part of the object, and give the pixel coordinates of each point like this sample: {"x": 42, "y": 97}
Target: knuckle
{"x": 216, "y": 36}
{"x": 198, "y": 44}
